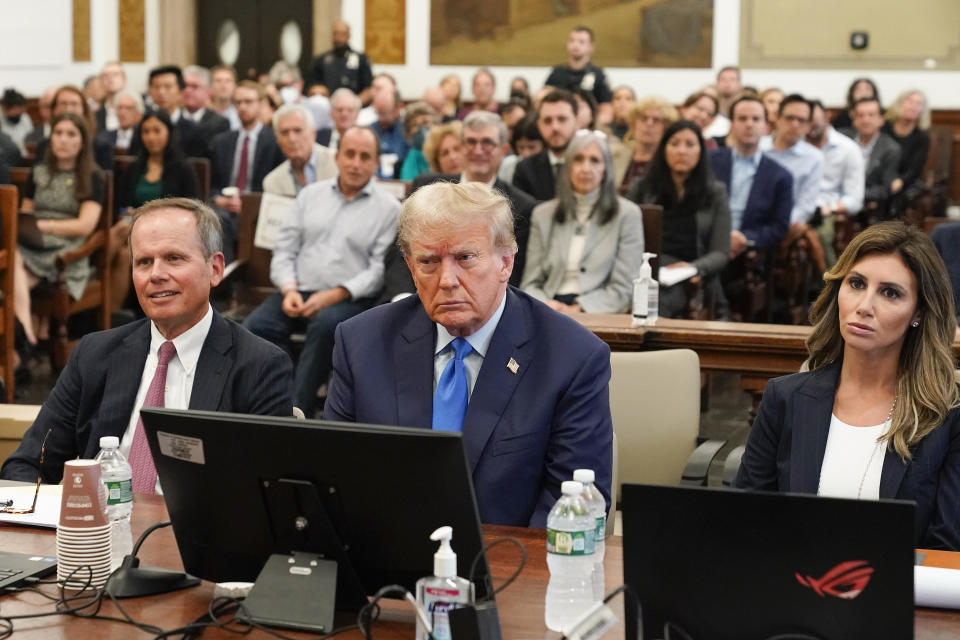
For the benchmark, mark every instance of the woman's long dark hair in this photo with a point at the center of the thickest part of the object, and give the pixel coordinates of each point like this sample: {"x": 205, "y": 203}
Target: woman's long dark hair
{"x": 657, "y": 186}
{"x": 172, "y": 152}
{"x": 853, "y": 85}
{"x": 84, "y": 166}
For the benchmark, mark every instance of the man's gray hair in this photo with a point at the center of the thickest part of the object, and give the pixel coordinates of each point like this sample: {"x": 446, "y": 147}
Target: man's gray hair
{"x": 201, "y": 72}
{"x": 281, "y": 68}
{"x": 482, "y": 119}
{"x": 454, "y": 208}
{"x": 346, "y": 93}
{"x": 290, "y": 109}
{"x": 133, "y": 95}
{"x": 208, "y": 223}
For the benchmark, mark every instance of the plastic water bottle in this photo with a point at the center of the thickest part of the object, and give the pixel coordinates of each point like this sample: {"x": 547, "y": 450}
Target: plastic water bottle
{"x": 570, "y": 554}
{"x": 117, "y": 477}
{"x": 598, "y": 509}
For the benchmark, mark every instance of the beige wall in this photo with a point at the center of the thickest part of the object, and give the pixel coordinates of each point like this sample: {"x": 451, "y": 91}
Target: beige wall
{"x": 781, "y": 34}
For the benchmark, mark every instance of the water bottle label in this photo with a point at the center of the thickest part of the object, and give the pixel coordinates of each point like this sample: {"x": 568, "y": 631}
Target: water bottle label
{"x": 119, "y": 492}
{"x": 601, "y": 531}
{"x": 570, "y": 543}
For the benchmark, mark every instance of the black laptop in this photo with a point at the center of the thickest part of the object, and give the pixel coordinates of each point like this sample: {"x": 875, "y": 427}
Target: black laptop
{"x": 710, "y": 564}
{"x": 15, "y": 568}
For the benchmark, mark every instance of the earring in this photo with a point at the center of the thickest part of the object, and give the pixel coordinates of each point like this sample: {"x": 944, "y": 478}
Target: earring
{"x": 915, "y": 324}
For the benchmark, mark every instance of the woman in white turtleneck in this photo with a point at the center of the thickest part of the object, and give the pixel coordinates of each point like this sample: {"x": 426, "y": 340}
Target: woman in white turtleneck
{"x": 586, "y": 245}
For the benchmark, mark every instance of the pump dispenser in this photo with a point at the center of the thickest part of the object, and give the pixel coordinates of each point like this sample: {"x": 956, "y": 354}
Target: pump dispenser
{"x": 443, "y": 591}
{"x": 646, "y": 294}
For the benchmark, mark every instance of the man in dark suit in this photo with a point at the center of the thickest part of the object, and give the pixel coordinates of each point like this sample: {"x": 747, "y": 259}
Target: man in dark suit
{"x": 761, "y": 192}
{"x": 166, "y": 90}
{"x": 129, "y": 111}
{"x": 527, "y": 386}
{"x": 557, "y": 121}
{"x": 216, "y": 365}
{"x": 242, "y": 159}
{"x": 344, "y": 109}
{"x": 881, "y": 153}
{"x": 196, "y": 97}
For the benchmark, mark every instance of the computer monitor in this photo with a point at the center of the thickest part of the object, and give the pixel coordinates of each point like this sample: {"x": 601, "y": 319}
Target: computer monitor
{"x": 239, "y": 488}
{"x": 727, "y": 565}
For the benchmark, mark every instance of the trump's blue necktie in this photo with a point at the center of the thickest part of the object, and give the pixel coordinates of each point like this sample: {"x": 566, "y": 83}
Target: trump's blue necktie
{"x": 450, "y": 398}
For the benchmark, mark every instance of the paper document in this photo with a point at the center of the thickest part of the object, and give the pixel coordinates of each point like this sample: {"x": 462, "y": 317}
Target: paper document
{"x": 936, "y": 587}
{"x": 670, "y": 276}
{"x": 47, "y": 512}
{"x": 274, "y": 210}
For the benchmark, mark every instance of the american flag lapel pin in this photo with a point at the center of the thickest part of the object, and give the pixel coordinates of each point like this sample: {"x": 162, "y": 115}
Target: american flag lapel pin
{"x": 513, "y": 366}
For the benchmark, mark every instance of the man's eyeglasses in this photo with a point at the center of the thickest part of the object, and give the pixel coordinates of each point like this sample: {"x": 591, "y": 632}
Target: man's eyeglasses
{"x": 6, "y": 506}
{"x": 487, "y": 144}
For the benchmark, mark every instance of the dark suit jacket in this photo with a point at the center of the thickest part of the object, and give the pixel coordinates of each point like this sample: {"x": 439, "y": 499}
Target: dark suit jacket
{"x": 786, "y": 447}
{"x": 94, "y": 397}
{"x": 882, "y": 168}
{"x": 520, "y": 202}
{"x": 178, "y": 181}
{"x": 524, "y": 433}
{"x": 211, "y": 125}
{"x": 534, "y": 176}
{"x": 266, "y": 156}
{"x": 946, "y": 238}
{"x": 100, "y": 115}
{"x": 767, "y": 215}
{"x": 105, "y": 144}
{"x": 323, "y": 136}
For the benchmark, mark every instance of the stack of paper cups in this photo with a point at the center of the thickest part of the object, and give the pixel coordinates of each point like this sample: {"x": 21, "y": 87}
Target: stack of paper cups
{"x": 83, "y": 535}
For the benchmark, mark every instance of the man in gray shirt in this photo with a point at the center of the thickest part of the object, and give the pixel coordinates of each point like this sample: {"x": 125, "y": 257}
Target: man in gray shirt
{"x": 328, "y": 260}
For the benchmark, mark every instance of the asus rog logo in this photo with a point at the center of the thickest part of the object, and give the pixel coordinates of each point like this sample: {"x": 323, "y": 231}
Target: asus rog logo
{"x": 846, "y": 580}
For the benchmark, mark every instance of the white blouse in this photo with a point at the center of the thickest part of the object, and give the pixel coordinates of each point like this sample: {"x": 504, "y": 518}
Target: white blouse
{"x": 853, "y": 461}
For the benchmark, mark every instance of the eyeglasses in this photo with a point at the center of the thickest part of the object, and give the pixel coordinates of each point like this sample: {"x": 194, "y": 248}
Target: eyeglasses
{"x": 487, "y": 144}
{"x": 646, "y": 119}
{"x": 7, "y": 505}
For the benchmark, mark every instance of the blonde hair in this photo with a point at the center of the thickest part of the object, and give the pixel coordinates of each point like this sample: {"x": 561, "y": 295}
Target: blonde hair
{"x": 926, "y": 372}
{"x": 438, "y": 133}
{"x": 893, "y": 111}
{"x": 667, "y": 111}
{"x": 455, "y": 207}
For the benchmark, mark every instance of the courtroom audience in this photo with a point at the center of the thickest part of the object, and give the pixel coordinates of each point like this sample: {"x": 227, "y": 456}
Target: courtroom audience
{"x": 328, "y": 261}
{"x": 525, "y": 141}
{"x": 586, "y": 244}
{"x": 648, "y": 118}
{"x": 14, "y": 119}
{"x": 484, "y": 98}
{"x": 285, "y": 86}
{"x": 859, "y": 89}
{"x": 771, "y": 99}
{"x": 223, "y": 80}
{"x": 557, "y": 121}
{"x": 881, "y": 154}
{"x": 113, "y": 80}
{"x": 418, "y": 118}
{"x": 306, "y": 160}
{"x": 65, "y": 192}
{"x": 701, "y": 108}
{"x": 696, "y": 216}
{"x": 908, "y": 119}
{"x": 344, "y": 110}
{"x": 520, "y": 91}
{"x": 45, "y": 107}
{"x": 452, "y": 92}
{"x": 128, "y": 111}
{"x": 841, "y": 185}
{"x": 875, "y": 414}
{"x": 586, "y": 109}
{"x": 196, "y": 97}
{"x": 728, "y": 87}
{"x": 623, "y": 99}
{"x": 443, "y": 149}
{"x": 389, "y": 130}
{"x": 512, "y": 113}
{"x": 579, "y": 73}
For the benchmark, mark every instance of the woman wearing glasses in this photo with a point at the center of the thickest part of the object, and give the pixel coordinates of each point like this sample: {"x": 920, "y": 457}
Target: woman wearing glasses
{"x": 876, "y": 413}
{"x": 648, "y": 118}
{"x": 586, "y": 244}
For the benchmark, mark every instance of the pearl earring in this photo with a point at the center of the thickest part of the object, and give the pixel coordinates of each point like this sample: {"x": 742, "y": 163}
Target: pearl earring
{"x": 915, "y": 324}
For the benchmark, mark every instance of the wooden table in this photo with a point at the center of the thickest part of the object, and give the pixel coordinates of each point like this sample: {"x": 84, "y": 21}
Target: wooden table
{"x": 521, "y": 605}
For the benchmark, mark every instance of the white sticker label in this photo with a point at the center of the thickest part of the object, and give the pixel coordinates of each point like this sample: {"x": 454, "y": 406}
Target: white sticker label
{"x": 181, "y": 447}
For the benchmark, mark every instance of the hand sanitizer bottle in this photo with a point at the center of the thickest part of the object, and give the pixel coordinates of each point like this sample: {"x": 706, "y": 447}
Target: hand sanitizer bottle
{"x": 646, "y": 295}
{"x": 444, "y": 591}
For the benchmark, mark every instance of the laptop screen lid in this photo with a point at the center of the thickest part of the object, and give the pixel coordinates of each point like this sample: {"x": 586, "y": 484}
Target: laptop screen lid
{"x": 727, "y": 564}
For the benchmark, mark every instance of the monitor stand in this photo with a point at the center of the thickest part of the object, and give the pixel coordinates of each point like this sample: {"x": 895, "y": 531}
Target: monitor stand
{"x": 301, "y": 587}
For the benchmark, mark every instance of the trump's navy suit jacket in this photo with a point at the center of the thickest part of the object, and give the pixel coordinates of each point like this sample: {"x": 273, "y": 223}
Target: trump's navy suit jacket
{"x": 524, "y": 432}
{"x": 789, "y": 437}
{"x": 237, "y": 372}
{"x": 767, "y": 215}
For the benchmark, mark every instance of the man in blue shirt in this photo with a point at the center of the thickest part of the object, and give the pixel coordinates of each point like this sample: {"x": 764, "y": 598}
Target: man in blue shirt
{"x": 328, "y": 261}
{"x": 389, "y": 130}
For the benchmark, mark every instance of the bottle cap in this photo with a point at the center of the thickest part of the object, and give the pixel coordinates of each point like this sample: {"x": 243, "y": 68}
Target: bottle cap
{"x": 584, "y": 475}
{"x": 109, "y": 442}
{"x": 571, "y": 488}
{"x": 444, "y": 560}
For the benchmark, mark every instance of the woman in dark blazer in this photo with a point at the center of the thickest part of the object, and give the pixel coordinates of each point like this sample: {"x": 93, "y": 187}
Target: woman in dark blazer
{"x": 696, "y": 212}
{"x": 875, "y": 412}
{"x": 160, "y": 170}
{"x": 908, "y": 120}
{"x": 586, "y": 245}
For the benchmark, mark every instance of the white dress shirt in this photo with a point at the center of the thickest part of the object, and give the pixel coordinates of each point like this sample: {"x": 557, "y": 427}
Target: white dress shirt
{"x": 180, "y": 373}
{"x": 479, "y": 340}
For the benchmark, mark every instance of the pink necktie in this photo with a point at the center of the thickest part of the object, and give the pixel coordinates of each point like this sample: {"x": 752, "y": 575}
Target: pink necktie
{"x": 244, "y": 163}
{"x": 144, "y": 473}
